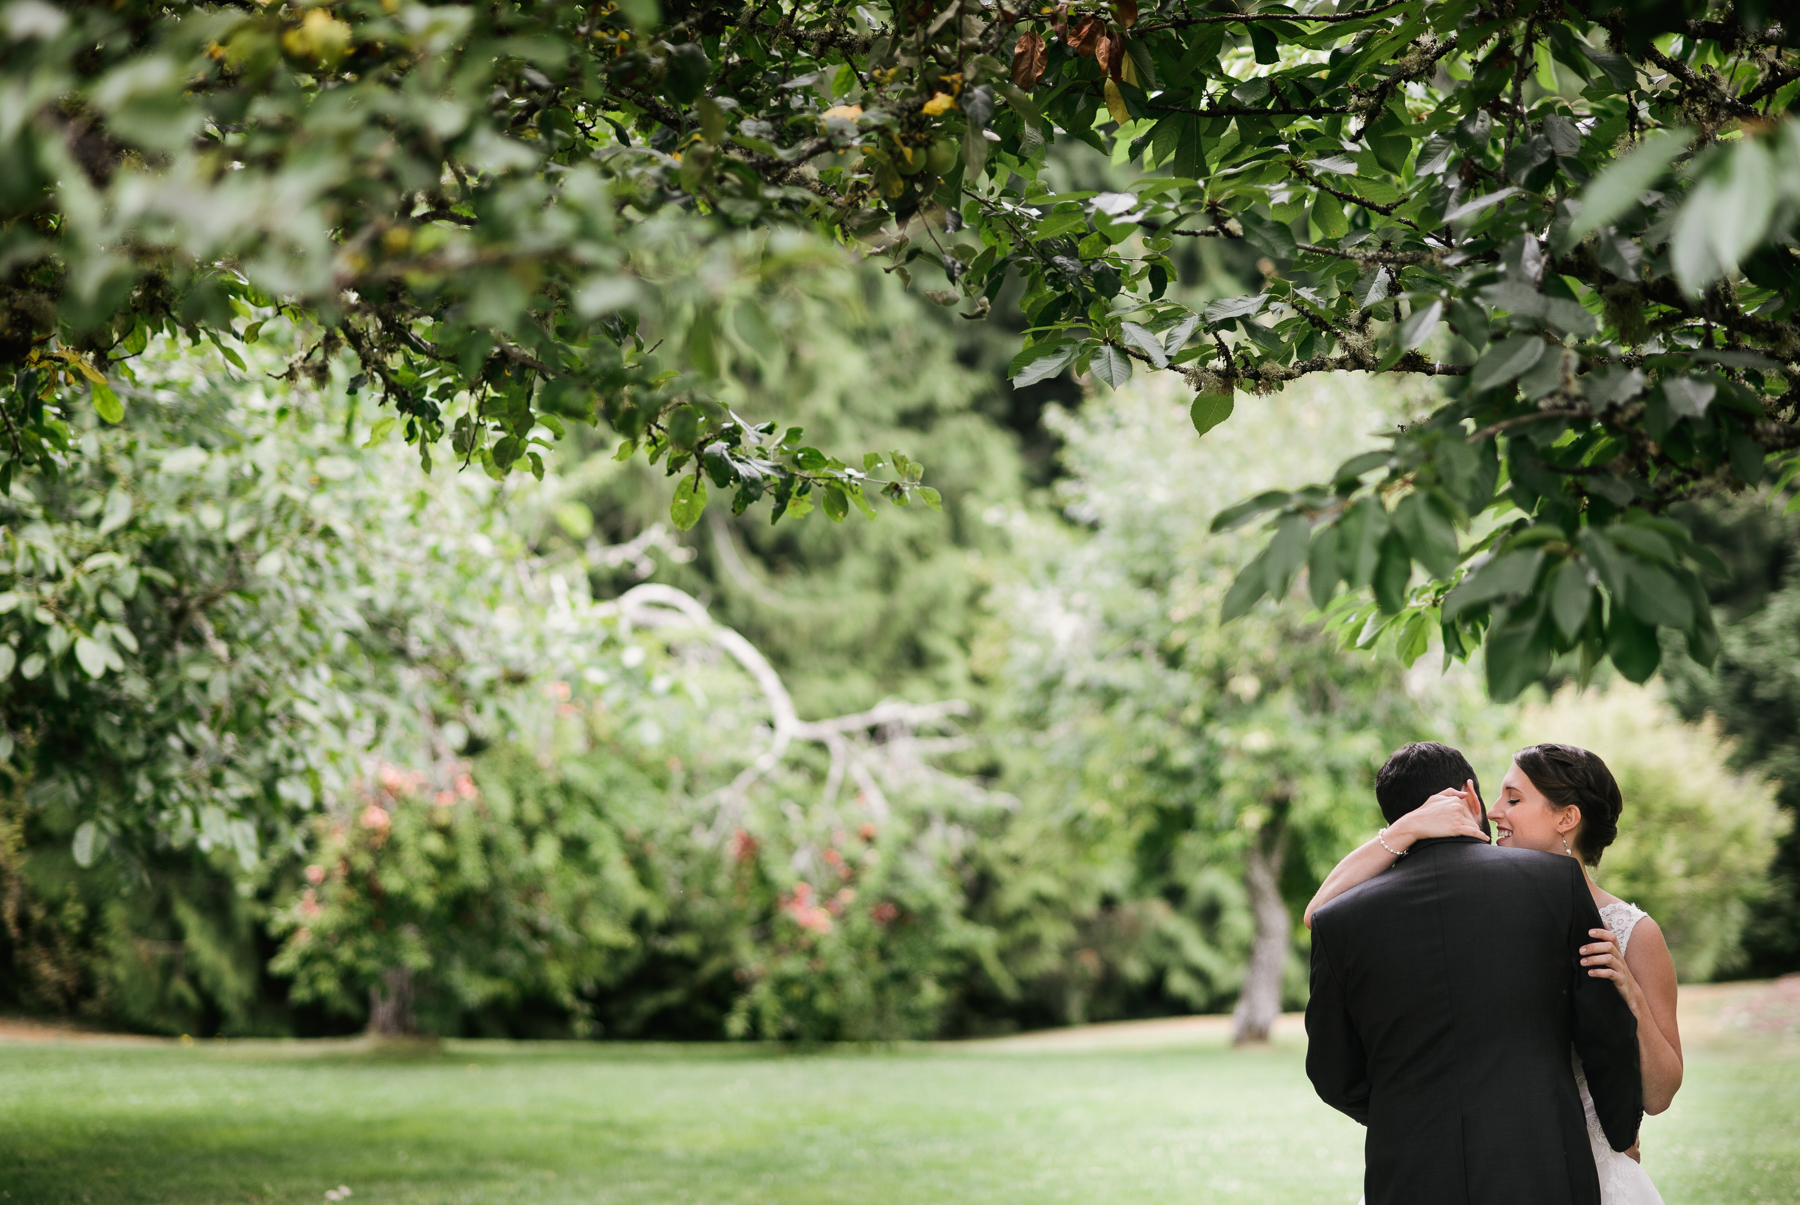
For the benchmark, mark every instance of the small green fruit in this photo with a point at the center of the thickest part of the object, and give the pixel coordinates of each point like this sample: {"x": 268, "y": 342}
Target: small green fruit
{"x": 942, "y": 157}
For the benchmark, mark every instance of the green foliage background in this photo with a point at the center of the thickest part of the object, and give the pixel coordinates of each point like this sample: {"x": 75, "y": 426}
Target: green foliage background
{"x": 554, "y": 854}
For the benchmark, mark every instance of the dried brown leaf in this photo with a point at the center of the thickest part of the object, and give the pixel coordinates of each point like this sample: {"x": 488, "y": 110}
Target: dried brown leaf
{"x": 1031, "y": 55}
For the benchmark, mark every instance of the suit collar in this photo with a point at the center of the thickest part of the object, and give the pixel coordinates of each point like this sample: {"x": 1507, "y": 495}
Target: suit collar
{"x": 1422, "y": 842}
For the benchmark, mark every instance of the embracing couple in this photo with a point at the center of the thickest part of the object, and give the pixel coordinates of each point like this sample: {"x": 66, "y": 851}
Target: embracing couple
{"x": 1498, "y": 1022}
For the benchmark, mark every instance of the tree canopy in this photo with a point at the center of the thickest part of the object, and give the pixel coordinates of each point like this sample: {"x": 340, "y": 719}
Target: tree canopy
{"x": 510, "y": 216}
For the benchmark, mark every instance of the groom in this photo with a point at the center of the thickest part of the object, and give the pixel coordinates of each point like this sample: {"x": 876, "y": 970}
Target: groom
{"x": 1446, "y": 994}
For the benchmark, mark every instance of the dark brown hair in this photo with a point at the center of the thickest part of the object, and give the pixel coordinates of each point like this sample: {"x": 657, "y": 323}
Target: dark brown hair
{"x": 1417, "y": 772}
{"x": 1571, "y": 777}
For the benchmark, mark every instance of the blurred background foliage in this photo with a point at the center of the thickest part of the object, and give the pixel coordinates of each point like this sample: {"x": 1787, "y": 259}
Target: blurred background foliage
{"x": 346, "y": 746}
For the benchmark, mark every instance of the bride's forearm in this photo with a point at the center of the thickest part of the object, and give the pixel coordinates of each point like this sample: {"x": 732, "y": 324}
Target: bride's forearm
{"x": 1661, "y": 1065}
{"x": 1359, "y": 866}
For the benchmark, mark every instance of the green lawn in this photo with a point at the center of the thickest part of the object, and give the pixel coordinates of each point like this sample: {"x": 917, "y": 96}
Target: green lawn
{"x": 933, "y": 1125}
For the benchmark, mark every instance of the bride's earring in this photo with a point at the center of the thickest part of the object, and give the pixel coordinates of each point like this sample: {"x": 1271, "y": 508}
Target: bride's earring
{"x": 1565, "y": 841}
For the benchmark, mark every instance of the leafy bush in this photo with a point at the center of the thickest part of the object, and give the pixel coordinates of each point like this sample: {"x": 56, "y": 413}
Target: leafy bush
{"x": 489, "y": 900}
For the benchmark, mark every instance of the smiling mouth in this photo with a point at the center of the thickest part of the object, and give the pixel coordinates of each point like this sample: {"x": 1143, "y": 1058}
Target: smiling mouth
{"x": 1501, "y": 834}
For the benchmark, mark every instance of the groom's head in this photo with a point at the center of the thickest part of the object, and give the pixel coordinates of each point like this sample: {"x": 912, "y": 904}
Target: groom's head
{"x": 1419, "y": 771}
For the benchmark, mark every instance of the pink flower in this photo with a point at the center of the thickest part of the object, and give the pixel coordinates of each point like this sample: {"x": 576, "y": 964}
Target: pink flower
{"x": 743, "y": 846}
{"x": 445, "y": 798}
{"x": 806, "y": 914}
{"x": 883, "y": 913}
{"x": 315, "y": 875}
{"x": 309, "y": 904}
{"x": 375, "y": 816}
{"x": 465, "y": 786}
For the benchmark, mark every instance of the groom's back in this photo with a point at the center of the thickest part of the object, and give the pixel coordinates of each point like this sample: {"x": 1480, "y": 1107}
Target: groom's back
{"x": 1455, "y": 971}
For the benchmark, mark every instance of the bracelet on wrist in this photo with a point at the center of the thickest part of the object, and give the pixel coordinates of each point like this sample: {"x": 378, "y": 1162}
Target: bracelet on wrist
{"x": 1382, "y": 837}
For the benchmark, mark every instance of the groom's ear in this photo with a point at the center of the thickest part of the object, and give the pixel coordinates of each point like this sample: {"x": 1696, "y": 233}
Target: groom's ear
{"x": 1481, "y": 819}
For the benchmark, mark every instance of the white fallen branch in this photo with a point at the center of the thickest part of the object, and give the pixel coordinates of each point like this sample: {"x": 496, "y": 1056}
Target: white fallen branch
{"x": 882, "y": 737}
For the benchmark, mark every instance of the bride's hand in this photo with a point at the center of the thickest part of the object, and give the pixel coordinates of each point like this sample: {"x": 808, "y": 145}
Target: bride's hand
{"x": 1602, "y": 959}
{"x": 1446, "y": 814}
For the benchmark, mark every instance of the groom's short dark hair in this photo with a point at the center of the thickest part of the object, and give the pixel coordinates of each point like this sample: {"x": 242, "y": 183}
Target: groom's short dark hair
{"x": 1417, "y": 772}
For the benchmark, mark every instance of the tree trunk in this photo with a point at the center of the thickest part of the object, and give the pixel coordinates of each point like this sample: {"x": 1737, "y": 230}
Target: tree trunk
{"x": 1260, "y": 1003}
{"x": 391, "y": 1016}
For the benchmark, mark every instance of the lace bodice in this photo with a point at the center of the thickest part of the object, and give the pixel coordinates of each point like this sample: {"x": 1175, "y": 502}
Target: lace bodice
{"x": 1622, "y": 918}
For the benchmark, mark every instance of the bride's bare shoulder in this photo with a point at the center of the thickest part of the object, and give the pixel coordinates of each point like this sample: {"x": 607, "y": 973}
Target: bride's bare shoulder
{"x": 1602, "y": 898}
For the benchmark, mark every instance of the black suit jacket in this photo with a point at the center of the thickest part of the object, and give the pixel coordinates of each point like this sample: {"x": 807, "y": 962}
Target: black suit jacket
{"x": 1446, "y": 994}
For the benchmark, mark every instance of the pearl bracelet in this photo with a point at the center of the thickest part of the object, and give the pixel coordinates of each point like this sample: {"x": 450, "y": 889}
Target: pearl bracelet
{"x": 1398, "y": 853}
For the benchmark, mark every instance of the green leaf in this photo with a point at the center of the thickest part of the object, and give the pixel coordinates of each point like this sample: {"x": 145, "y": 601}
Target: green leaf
{"x": 690, "y": 502}
{"x": 1328, "y": 215}
{"x": 1285, "y": 554}
{"x": 1569, "y": 598}
{"x": 1429, "y": 535}
{"x": 1505, "y": 360}
{"x": 1619, "y": 70}
{"x": 1042, "y": 364}
{"x": 1111, "y": 365}
{"x": 1190, "y": 155}
{"x": 1207, "y": 411}
{"x": 1607, "y": 564}
{"x": 107, "y": 404}
{"x": 1145, "y": 342}
{"x": 1270, "y": 237}
{"x": 1420, "y": 323}
{"x": 1251, "y": 585}
{"x": 1470, "y": 208}
{"x": 1229, "y": 308}
{"x": 1357, "y": 465}
{"x": 378, "y": 431}
{"x": 1242, "y": 512}
{"x": 91, "y": 655}
{"x": 1365, "y": 526}
{"x": 1517, "y": 654}
{"x": 1323, "y": 567}
{"x": 1619, "y": 187}
{"x": 1414, "y": 639}
{"x": 1392, "y": 573}
{"x": 82, "y": 847}
{"x": 1632, "y": 645}
{"x": 1657, "y": 597}
{"x": 1725, "y": 216}
{"x": 1390, "y": 150}
{"x": 1507, "y": 576}
{"x": 931, "y": 498}
{"x": 836, "y": 504}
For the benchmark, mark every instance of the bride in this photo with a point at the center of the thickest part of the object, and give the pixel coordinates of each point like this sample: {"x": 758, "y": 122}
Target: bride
{"x": 1562, "y": 800}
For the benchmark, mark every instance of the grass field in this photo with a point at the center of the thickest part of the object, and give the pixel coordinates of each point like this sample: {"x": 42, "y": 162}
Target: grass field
{"x": 1144, "y": 1115}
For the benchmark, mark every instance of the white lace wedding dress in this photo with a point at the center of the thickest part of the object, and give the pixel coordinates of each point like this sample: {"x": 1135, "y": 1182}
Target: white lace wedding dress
{"x": 1623, "y": 1181}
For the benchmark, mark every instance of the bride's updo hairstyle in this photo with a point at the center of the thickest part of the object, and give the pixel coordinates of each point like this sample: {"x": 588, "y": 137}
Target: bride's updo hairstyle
{"x": 1567, "y": 777}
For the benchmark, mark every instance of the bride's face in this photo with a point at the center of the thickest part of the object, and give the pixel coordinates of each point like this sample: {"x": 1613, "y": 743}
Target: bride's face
{"x": 1524, "y": 819}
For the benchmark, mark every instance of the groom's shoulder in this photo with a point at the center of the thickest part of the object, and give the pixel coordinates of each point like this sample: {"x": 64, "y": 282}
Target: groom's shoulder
{"x": 1474, "y": 866}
